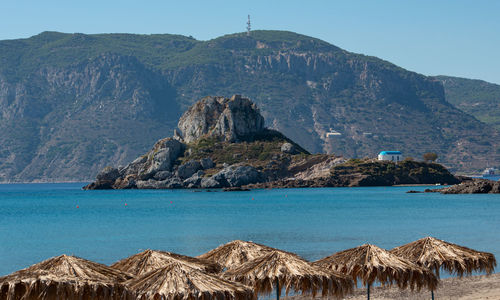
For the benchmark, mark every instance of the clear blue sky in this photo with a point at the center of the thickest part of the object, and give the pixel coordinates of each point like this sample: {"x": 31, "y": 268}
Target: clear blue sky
{"x": 459, "y": 38}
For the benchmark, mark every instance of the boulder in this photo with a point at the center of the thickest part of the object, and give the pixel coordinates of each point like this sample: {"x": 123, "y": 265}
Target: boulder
{"x": 108, "y": 174}
{"x": 187, "y": 169}
{"x": 207, "y": 163}
{"x": 146, "y": 184}
{"x": 134, "y": 167}
{"x": 236, "y": 176}
{"x": 210, "y": 183}
{"x": 288, "y": 148}
{"x": 125, "y": 183}
{"x": 170, "y": 183}
{"x": 194, "y": 181}
{"x": 162, "y": 175}
{"x": 161, "y": 157}
{"x": 227, "y": 119}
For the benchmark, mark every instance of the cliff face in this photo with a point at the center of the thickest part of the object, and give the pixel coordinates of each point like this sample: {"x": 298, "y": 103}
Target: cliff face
{"x": 228, "y": 119}
{"x": 68, "y": 123}
{"x": 71, "y": 104}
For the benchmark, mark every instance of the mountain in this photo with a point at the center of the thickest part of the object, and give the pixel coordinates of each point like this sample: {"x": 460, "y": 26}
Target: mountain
{"x": 476, "y": 97}
{"x": 73, "y": 103}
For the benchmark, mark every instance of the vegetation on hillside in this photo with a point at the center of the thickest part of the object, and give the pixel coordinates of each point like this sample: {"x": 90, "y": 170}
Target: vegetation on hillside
{"x": 476, "y": 97}
{"x": 380, "y": 172}
{"x": 256, "y": 150}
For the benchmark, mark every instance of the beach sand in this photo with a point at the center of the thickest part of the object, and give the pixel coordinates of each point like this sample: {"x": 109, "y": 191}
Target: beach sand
{"x": 466, "y": 288}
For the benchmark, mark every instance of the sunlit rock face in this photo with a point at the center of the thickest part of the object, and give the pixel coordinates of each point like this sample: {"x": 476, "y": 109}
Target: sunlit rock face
{"x": 225, "y": 118}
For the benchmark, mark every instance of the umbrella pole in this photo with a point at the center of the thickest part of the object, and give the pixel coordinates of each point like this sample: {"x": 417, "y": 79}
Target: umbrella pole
{"x": 368, "y": 291}
{"x": 277, "y": 289}
{"x": 432, "y": 294}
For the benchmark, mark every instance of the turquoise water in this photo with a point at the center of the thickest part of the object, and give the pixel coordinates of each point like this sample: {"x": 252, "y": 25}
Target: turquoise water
{"x": 38, "y": 221}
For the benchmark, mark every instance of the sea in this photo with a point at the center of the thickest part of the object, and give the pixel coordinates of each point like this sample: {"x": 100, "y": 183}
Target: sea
{"x": 39, "y": 221}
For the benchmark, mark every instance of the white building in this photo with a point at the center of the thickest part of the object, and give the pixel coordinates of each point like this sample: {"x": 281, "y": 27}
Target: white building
{"x": 333, "y": 133}
{"x": 395, "y": 156}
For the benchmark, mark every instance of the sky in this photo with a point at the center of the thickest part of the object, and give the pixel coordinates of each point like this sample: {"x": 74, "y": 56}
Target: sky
{"x": 439, "y": 37}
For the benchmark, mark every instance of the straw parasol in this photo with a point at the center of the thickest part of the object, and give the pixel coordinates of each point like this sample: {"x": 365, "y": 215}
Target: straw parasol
{"x": 64, "y": 277}
{"x": 150, "y": 260}
{"x": 436, "y": 254}
{"x": 370, "y": 263}
{"x": 178, "y": 281}
{"x": 235, "y": 253}
{"x": 292, "y": 272}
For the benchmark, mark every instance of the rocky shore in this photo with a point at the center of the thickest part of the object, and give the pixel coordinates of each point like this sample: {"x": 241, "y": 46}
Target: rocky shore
{"x": 472, "y": 186}
{"x": 223, "y": 143}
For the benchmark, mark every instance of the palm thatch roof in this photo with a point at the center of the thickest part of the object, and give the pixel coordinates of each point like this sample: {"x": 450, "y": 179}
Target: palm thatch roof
{"x": 292, "y": 272}
{"x": 150, "y": 260}
{"x": 235, "y": 253}
{"x": 64, "y": 277}
{"x": 435, "y": 254}
{"x": 370, "y": 263}
{"x": 178, "y": 281}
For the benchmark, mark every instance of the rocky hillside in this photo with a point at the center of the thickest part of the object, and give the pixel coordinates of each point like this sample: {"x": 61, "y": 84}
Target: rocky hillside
{"x": 223, "y": 144}
{"x": 66, "y": 123}
{"x": 71, "y": 104}
{"x": 476, "y": 97}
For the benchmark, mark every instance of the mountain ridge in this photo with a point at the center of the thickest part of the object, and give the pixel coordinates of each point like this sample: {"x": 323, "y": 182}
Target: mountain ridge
{"x": 476, "y": 97}
{"x": 372, "y": 103}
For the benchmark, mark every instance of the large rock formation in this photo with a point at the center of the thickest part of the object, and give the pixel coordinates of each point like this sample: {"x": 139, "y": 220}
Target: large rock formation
{"x": 226, "y": 146}
{"x": 229, "y": 119}
{"x": 225, "y": 119}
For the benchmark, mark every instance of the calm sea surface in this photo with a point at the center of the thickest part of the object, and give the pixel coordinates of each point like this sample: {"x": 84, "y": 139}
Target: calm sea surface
{"x": 38, "y": 221}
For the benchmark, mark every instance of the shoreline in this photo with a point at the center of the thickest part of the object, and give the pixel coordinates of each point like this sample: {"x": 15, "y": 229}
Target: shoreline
{"x": 43, "y": 182}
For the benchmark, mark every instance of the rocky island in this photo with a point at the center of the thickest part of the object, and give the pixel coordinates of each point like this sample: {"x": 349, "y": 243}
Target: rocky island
{"x": 223, "y": 143}
{"x": 470, "y": 186}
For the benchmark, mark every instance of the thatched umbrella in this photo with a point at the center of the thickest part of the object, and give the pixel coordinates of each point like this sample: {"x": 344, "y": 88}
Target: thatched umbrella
{"x": 370, "y": 263}
{"x": 436, "y": 254}
{"x": 235, "y": 253}
{"x": 150, "y": 260}
{"x": 178, "y": 281}
{"x": 64, "y": 277}
{"x": 292, "y": 272}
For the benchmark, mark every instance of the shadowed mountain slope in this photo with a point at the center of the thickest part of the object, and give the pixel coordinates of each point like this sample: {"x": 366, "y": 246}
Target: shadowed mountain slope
{"x": 476, "y": 97}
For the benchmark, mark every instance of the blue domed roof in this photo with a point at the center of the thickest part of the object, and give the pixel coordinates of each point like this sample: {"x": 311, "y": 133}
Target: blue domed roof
{"x": 390, "y": 153}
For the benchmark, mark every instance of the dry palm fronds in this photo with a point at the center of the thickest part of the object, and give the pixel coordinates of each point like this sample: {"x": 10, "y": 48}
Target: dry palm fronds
{"x": 435, "y": 254}
{"x": 178, "y": 281}
{"x": 64, "y": 277}
{"x": 370, "y": 263}
{"x": 150, "y": 260}
{"x": 291, "y": 272}
{"x": 235, "y": 253}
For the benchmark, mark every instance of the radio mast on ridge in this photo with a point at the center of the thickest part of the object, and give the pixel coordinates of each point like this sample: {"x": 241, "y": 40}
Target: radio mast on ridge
{"x": 248, "y": 26}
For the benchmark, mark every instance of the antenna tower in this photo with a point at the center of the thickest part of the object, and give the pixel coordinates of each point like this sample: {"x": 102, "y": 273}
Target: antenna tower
{"x": 248, "y": 26}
